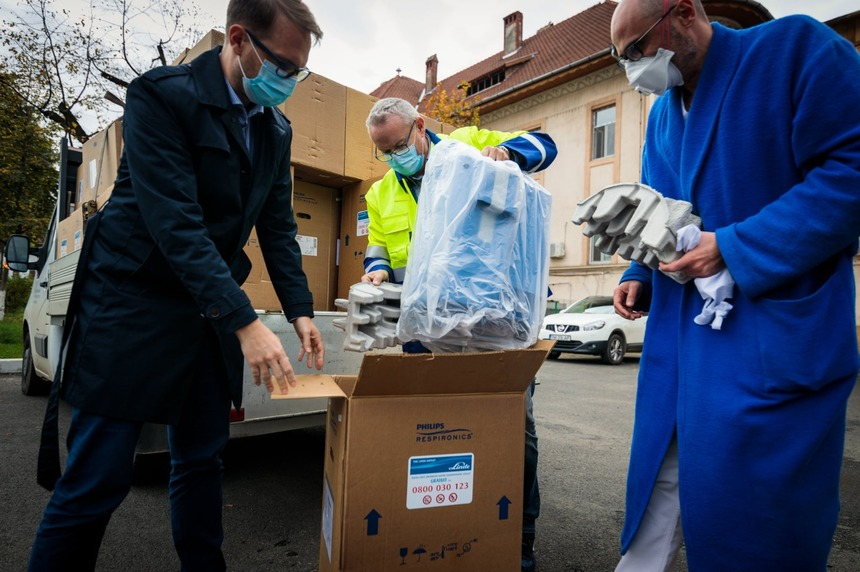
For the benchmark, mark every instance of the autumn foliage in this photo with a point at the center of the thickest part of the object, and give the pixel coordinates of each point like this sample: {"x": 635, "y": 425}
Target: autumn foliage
{"x": 453, "y": 109}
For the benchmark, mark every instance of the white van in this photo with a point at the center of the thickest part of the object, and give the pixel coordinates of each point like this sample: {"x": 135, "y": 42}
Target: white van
{"x": 45, "y": 315}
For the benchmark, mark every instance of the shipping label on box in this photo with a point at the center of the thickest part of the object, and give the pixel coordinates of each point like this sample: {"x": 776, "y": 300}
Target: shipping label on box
{"x": 440, "y": 480}
{"x": 362, "y": 226}
{"x": 327, "y": 517}
{"x": 308, "y": 245}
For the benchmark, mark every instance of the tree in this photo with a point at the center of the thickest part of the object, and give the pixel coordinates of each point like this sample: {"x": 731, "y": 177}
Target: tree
{"x": 64, "y": 64}
{"x": 58, "y": 65}
{"x": 28, "y": 173}
{"x": 453, "y": 109}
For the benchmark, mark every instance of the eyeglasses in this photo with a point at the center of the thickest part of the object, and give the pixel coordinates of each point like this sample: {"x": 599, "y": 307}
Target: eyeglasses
{"x": 286, "y": 69}
{"x": 399, "y": 153}
{"x": 633, "y": 53}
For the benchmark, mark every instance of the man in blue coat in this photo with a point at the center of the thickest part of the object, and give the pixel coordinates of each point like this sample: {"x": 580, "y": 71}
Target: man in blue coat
{"x": 158, "y": 323}
{"x": 739, "y": 432}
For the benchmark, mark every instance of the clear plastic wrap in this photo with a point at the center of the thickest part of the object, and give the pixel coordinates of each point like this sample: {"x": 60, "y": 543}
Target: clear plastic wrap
{"x": 478, "y": 268}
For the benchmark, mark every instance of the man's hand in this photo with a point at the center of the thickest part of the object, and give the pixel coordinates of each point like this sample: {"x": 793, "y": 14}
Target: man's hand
{"x": 700, "y": 262}
{"x": 311, "y": 340}
{"x": 376, "y": 277}
{"x": 265, "y": 355}
{"x": 496, "y": 153}
{"x": 624, "y": 298}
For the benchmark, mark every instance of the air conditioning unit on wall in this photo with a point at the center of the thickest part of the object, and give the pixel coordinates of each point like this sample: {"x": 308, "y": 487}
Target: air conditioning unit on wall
{"x": 556, "y": 250}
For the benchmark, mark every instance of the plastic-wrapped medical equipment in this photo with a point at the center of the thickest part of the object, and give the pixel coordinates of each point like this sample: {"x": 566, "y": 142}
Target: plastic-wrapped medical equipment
{"x": 478, "y": 268}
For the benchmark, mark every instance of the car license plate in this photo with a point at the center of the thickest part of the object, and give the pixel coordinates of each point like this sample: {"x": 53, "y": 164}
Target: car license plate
{"x": 560, "y": 337}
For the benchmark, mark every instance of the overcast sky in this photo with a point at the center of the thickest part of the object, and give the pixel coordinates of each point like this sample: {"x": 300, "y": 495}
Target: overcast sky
{"x": 365, "y": 41}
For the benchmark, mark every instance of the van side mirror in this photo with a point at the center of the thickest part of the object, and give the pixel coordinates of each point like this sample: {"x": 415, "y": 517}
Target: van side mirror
{"x": 17, "y": 253}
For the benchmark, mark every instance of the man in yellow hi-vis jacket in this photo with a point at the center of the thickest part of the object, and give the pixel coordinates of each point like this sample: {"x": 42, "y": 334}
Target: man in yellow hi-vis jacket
{"x": 402, "y": 141}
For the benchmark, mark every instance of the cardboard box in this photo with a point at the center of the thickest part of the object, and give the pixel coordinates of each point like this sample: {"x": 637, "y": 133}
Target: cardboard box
{"x": 352, "y": 243}
{"x": 317, "y": 113}
{"x": 103, "y": 196}
{"x": 100, "y": 161}
{"x": 258, "y": 286}
{"x": 317, "y": 212}
{"x": 70, "y": 233}
{"x": 432, "y": 124}
{"x": 209, "y": 41}
{"x": 424, "y": 461}
{"x": 360, "y": 161}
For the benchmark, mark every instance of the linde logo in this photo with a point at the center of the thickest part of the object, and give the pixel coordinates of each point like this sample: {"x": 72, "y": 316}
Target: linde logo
{"x": 461, "y": 466}
{"x": 434, "y": 432}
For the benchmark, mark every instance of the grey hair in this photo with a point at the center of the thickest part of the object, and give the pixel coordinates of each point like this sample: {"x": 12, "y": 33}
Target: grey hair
{"x": 390, "y": 106}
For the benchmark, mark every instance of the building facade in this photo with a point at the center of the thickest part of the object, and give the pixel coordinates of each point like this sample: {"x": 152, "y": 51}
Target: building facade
{"x": 563, "y": 81}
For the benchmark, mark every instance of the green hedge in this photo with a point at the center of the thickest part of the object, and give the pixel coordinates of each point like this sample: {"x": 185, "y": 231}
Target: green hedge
{"x": 11, "y": 328}
{"x": 17, "y": 293}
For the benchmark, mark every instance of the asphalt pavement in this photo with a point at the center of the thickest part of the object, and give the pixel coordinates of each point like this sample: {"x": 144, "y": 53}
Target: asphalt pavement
{"x": 272, "y": 484}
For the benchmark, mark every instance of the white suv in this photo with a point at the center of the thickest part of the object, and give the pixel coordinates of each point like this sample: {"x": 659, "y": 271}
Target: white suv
{"x": 591, "y": 326}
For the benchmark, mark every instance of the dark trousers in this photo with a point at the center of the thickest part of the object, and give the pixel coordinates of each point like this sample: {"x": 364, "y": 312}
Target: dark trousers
{"x": 99, "y": 471}
{"x": 531, "y": 490}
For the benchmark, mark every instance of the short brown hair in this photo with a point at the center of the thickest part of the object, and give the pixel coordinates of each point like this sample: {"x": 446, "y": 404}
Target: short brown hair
{"x": 258, "y": 15}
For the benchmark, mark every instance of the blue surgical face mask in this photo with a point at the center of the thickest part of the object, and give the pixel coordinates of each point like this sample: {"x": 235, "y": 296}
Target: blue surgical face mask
{"x": 408, "y": 163}
{"x": 268, "y": 88}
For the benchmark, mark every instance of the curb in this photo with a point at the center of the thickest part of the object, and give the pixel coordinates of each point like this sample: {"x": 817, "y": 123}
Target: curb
{"x": 10, "y": 365}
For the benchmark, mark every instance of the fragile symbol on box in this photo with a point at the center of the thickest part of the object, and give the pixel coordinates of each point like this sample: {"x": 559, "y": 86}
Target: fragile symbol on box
{"x": 440, "y": 480}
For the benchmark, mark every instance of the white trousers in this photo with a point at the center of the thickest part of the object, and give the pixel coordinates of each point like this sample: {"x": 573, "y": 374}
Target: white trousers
{"x": 658, "y": 540}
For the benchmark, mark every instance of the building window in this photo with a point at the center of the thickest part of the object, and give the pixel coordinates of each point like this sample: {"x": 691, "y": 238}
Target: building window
{"x": 603, "y": 133}
{"x": 486, "y": 82}
{"x": 598, "y": 256}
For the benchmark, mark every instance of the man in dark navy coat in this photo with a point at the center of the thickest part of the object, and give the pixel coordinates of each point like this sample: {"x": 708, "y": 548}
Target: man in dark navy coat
{"x": 158, "y": 324}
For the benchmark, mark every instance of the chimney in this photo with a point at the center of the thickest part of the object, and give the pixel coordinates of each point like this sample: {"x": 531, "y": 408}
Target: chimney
{"x": 513, "y": 33}
{"x": 432, "y": 66}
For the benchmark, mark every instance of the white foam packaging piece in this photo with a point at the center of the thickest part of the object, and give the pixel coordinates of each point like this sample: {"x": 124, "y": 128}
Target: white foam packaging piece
{"x": 371, "y": 318}
{"x": 637, "y": 222}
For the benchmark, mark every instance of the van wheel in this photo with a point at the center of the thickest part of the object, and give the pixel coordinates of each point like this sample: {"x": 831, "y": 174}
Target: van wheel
{"x": 616, "y": 346}
{"x": 31, "y": 383}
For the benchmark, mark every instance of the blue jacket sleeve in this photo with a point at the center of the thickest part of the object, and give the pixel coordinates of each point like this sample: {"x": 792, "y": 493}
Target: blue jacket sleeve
{"x": 533, "y": 152}
{"x": 644, "y": 275}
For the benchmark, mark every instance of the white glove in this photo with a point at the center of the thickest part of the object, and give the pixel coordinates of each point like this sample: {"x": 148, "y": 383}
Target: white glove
{"x": 715, "y": 290}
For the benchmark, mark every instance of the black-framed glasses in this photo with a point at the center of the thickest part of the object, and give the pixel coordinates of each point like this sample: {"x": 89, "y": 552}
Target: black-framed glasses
{"x": 285, "y": 69}
{"x": 633, "y": 53}
{"x": 399, "y": 153}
